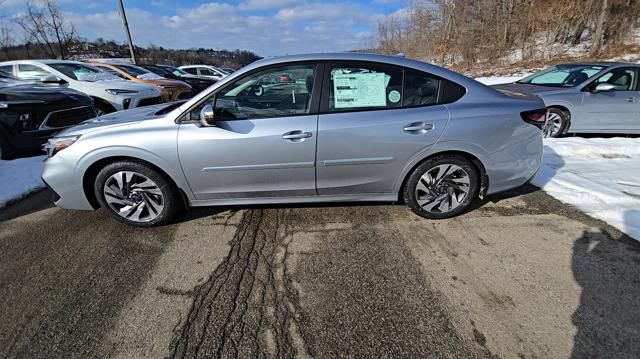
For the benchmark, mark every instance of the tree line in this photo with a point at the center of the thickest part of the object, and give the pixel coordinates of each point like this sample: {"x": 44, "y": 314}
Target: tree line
{"x": 41, "y": 31}
{"x": 468, "y": 32}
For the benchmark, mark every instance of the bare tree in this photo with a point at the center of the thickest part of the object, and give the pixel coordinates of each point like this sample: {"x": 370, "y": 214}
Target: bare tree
{"x": 44, "y": 24}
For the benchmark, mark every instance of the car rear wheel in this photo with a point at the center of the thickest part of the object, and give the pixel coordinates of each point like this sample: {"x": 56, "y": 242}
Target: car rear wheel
{"x": 556, "y": 123}
{"x": 136, "y": 194}
{"x": 442, "y": 187}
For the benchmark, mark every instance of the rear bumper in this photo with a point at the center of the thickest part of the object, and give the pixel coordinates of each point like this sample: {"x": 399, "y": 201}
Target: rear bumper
{"x": 59, "y": 176}
{"x": 515, "y": 165}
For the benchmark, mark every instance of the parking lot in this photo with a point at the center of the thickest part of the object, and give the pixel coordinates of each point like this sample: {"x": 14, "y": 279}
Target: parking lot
{"x": 521, "y": 276}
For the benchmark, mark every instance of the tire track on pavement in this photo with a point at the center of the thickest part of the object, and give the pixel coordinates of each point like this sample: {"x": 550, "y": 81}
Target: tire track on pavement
{"x": 246, "y": 308}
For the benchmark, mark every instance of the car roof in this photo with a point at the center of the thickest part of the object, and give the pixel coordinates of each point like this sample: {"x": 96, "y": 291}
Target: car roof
{"x": 43, "y": 61}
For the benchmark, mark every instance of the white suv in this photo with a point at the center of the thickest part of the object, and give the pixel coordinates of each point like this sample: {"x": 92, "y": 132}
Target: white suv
{"x": 206, "y": 71}
{"x": 109, "y": 92}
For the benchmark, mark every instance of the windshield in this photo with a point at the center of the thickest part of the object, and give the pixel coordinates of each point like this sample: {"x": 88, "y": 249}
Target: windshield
{"x": 176, "y": 71}
{"x": 158, "y": 70}
{"x": 563, "y": 75}
{"x": 132, "y": 70}
{"x": 81, "y": 72}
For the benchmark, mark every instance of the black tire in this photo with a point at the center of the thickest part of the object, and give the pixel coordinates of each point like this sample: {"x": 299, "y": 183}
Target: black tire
{"x": 102, "y": 108}
{"x": 468, "y": 168}
{"x": 172, "y": 202}
{"x": 557, "y": 131}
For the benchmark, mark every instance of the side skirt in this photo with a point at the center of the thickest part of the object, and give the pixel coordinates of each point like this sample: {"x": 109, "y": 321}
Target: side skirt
{"x": 365, "y": 197}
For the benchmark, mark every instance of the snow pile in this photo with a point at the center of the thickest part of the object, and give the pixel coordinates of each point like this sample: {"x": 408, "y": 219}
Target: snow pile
{"x": 599, "y": 176}
{"x": 20, "y": 177}
{"x": 494, "y": 80}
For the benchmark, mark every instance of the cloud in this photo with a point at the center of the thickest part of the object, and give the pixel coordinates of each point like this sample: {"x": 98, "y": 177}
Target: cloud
{"x": 292, "y": 28}
{"x": 265, "y": 4}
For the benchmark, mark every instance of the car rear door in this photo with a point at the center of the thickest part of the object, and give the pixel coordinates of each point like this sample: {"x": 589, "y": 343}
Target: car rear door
{"x": 371, "y": 125}
{"x": 264, "y": 140}
{"x": 617, "y": 110}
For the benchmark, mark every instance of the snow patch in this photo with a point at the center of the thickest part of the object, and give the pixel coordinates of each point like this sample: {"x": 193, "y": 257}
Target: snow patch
{"x": 20, "y": 177}
{"x": 599, "y": 176}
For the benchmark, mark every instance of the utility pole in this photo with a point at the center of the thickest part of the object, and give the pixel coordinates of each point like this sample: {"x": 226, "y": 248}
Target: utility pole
{"x": 126, "y": 29}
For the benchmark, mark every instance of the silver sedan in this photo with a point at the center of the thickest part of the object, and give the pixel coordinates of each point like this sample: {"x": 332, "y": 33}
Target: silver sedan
{"x": 599, "y": 97}
{"x": 306, "y": 128}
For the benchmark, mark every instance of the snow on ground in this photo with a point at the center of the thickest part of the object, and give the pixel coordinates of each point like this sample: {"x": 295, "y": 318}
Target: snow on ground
{"x": 599, "y": 176}
{"x": 494, "y": 80}
{"x": 19, "y": 177}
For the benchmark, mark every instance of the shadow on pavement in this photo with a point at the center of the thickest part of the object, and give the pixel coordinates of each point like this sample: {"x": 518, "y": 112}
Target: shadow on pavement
{"x": 608, "y": 318}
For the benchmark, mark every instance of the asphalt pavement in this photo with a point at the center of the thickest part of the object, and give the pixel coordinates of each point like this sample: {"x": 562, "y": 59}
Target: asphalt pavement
{"x": 520, "y": 276}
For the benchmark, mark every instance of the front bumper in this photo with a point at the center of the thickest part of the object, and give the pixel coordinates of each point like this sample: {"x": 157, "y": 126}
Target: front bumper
{"x": 61, "y": 176}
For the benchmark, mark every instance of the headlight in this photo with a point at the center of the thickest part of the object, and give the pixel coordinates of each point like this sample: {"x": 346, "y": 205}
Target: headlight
{"x": 57, "y": 144}
{"x": 120, "y": 91}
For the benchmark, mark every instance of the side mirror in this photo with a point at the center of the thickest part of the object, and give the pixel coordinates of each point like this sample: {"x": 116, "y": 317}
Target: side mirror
{"x": 604, "y": 87}
{"x": 207, "y": 116}
{"x": 51, "y": 79}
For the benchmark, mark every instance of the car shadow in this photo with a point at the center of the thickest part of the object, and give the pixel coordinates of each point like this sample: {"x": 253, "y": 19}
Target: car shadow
{"x": 607, "y": 319}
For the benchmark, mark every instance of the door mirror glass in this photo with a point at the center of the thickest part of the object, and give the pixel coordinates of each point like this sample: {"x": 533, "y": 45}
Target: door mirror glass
{"x": 207, "y": 118}
{"x": 604, "y": 87}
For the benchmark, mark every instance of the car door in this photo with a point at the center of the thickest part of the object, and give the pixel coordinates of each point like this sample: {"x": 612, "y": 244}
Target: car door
{"x": 374, "y": 119}
{"x": 264, "y": 140}
{"x": 616, "y": 110}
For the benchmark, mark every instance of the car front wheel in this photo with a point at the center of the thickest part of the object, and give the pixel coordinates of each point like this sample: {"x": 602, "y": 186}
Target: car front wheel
{"x": 442, "y": 187}
{"x": 136, "y": 194}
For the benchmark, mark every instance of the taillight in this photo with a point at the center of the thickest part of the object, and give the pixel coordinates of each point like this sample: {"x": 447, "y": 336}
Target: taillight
{"x": 536, "y": 117}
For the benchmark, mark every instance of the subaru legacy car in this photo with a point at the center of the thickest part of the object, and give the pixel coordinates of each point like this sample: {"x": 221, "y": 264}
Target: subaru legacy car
{"x": 30, "y": 113}
{"x": 600, "y": 97}
{"x": 345, "y": 127}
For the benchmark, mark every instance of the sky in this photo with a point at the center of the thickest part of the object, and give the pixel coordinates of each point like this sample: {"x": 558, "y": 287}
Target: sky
{"x": 267, "y": 27}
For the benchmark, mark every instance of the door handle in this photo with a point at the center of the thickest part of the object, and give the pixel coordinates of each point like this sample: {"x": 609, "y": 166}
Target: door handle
{"x": 631, "y": 99}
{"x": 420, "y": 127}
{"x": 296, "y": 135}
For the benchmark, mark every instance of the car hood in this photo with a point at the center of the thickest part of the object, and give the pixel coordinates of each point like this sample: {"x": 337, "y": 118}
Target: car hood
{"x": 121, "y": 84}
{"x": 37, "y": 94}
{"x": 528, "y": 89}
{"x": 115, "y": 119}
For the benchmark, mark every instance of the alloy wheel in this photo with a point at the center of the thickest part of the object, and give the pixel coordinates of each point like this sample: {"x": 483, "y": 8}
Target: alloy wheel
{"x": 442, "y": 188}
{"x": 553, "y": 126}
{"x": 133, "y": 196}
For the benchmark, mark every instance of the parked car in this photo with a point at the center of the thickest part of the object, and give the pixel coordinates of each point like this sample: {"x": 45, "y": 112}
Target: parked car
{"x": 598, "y": 97}
{"x": 198, "y": 83}
{"x": 170, "y": 90}
{"x": 360, "y": 127}
{"x": 109, "y": 93}
{"x": 31, "y": 113}
{"x": 205, "y": 70}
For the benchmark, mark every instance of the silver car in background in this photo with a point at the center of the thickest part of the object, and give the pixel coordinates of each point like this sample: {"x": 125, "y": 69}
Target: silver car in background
{"x": 599, "y": 97}
{"x": 338, "y": 127}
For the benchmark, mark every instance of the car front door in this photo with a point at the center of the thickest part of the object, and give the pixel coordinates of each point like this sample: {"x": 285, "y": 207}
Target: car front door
{"x": 263, "y": 143}
{"x": 374, "y": 119}
{"x": 617, "y": 110}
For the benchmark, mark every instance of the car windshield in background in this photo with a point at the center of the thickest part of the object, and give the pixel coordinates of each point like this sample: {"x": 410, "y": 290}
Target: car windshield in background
{"x": 81, "y": 72}
{"x": 176, "y": 71}
{"x": 158, "y": 70}
{"x": 563, "y": 75}
{"x": 132, "y": 70}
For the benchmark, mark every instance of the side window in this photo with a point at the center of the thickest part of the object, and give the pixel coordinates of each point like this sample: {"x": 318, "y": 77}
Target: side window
{"x": 7, "y": 68}
{"x": 191, "y": 70}
{"x": 420, "y": 89}
{"x": 259, "y": 96}
{"x": 31, "y": 72}
{"x": 356, "y": 86}
{"x": 624, "y": 79}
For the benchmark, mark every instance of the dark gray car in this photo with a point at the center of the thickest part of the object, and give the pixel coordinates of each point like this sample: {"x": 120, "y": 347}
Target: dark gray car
{"x": 599, "y": 97}
{"x": 340, "y": 127}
